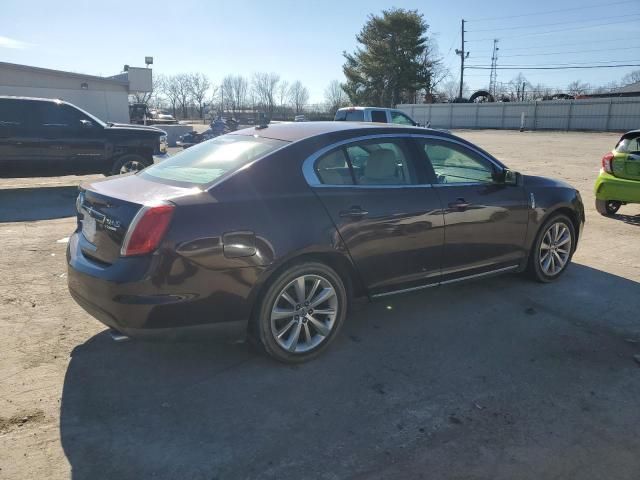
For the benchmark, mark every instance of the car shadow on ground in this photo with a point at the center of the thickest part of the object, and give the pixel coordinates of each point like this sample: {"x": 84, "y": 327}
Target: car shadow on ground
{"x": 503, "y": 378}
{"x": 38, "y": 203}
{"x": 629, "y": 219}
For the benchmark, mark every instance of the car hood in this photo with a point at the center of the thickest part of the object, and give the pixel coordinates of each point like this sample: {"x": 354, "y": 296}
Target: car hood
{"x": 126, "y": 127}
{"x": 535, "y": 181}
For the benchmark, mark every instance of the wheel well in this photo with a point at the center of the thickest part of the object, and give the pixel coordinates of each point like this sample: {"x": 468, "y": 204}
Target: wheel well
{"x": 574, "y": 220}
{"x": 146, "y": 153}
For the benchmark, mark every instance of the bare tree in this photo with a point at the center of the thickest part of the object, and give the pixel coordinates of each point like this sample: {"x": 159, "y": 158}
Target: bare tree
{"x": 632, "y": 77}
{"x": 335, "y": 97}
{"x": 578, "y": 88}
{"x": 284, "y": 97}
{"x": 450, "y": 89}
{"x": 234, "y": 90}
{"x": 169, "y": 88}
{"x": 299, "y": 96}
{"x": 181, "y": 85}
{"x": 198, "y": 86}
{"x": 264, "y": 87}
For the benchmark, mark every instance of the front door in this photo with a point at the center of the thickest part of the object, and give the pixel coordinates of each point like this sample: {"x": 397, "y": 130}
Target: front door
{"x": 485, "y": 218}
{"x": 388, "y": 216}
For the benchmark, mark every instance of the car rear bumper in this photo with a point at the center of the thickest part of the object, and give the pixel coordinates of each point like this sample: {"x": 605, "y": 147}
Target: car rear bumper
{"x": 609, "y": 187}
{"x": 155, "y": 303}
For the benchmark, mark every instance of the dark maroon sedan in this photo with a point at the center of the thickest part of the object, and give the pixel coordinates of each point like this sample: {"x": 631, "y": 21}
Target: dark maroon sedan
{"x": 269, "y": 232}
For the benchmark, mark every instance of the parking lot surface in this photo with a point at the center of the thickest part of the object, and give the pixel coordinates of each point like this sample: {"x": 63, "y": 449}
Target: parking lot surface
{"x": 498, "y": 379}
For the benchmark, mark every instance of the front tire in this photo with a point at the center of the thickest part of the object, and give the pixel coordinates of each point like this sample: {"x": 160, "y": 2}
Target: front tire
{"x": 607, "y": 207}
{"x": 553, "y": 249}
{"x": 300, "y": 313}
{"x": 129, "y": 163}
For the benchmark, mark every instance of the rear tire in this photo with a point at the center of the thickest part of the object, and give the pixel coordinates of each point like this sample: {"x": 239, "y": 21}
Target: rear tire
{"x": 300, "y": 313}
{"x": 553, "y": 249}
{"x": 129, "y": 163}
{"x": 607, "y": 207}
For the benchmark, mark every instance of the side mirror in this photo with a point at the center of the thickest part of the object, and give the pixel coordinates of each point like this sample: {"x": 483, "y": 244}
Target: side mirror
{"x": 86, "y": 124}
{"x": 511, "y": 177}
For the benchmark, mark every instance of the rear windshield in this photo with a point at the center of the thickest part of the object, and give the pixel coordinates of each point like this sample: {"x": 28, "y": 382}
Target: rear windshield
{"x": 629, "y": 144}
{"x": 210, "y": 160}
{"x": 349, "y": 116}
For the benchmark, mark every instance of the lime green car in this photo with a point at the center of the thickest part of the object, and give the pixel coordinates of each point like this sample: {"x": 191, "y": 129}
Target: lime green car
{"x": 619, "y": 179}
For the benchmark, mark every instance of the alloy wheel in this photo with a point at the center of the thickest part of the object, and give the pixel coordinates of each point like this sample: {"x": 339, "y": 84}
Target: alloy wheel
{"x": 304, "y": 313}
{"x": 555, "y": 249}
{"x": 131, "y": 166}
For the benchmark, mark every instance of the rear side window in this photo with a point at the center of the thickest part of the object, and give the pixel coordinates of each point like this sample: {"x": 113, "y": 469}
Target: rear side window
{"x": 333, "y": 169}
{"x": 15, "y": 113}
{"x": 349, "y": 116}
{"x": 210, "y": 160}
{"x": 381, "y": 163}
{"x": 379, "y": 116}
{"x": 629, "y": 145}
{"x": 59, "y": 115}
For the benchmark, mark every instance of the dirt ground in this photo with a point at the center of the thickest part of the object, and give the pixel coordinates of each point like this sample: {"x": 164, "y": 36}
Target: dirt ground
{"x": 499, "y": 379}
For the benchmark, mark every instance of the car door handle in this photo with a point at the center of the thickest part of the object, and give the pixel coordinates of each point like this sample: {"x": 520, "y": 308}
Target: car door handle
{"x": 353, "y": 212}
{"x": 460, "y": 205}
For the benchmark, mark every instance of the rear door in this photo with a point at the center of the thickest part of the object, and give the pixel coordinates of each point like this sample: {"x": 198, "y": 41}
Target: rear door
{"x": 485, "y": 219}
{"x": 71, "y": 141}
{"x": 388, "y": 216}
{"x": 19, "y": 143}
{"x": 626, "y": 163}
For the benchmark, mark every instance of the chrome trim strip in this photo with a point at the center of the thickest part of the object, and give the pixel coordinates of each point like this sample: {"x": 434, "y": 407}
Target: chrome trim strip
{"x": 480, "y": 275}
{"x": 312, "y": 179}
{"x": 446, "y": 282}
{"x": 405, "y": 290}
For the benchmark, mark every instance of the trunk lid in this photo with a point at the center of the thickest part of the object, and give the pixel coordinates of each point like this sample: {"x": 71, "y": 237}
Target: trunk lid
{"x": 106, "y": 208}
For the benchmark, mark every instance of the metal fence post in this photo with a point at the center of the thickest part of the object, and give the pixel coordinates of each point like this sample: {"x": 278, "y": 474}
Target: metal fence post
{"x": 606, "y": 125}
{"x": 475, "y": 120}
{"x": 451, "y": 115}
{"x": 569, "y": 115}
{"x": 535, "y": 115}
{"x": 502, "y": 123}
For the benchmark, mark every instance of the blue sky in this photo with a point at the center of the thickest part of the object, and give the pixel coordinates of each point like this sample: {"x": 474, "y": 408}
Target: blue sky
{"x": 304, "y": 40}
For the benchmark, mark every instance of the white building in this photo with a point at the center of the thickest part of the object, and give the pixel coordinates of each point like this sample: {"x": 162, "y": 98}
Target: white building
{"x": 105, "y": 97}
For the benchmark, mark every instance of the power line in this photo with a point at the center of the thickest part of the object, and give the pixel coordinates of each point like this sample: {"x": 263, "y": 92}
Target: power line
{"x": 581, "y": 44}
{"x": 563, "y": 30}
{"x": 520, "y": 27}
{"x": 563, "y": 63}
{"x": 564, "y": 53}
{"x": 584, "y": 7}
{"x": 474, "y": 67}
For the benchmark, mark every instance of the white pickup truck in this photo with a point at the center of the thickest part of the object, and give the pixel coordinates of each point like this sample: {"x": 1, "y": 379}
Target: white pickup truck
{"x": 374, "y": 114}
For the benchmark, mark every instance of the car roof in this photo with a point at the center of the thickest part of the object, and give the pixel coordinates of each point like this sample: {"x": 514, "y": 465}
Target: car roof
{"x": 367, "y": 108}
{"x": 294, "y": 131}
{"x": 38, "y": 99}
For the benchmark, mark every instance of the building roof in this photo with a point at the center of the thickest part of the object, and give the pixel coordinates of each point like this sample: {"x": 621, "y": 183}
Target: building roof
{"x": 80, "y": 76}
{"x": 631, "y": 88}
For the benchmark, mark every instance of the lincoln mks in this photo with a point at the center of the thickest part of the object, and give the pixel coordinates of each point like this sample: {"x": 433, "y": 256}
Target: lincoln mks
{"x": 269, "y": 232}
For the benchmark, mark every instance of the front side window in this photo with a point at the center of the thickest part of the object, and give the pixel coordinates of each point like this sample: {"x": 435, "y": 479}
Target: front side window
{"x": 400, "y": 119}
{"x": 381, "y": 162}
{"x": 379, "y": 116}
{"x": 454, "y": 163}
{"x": 59, "y": 115}
{"x": 210, "y": 160}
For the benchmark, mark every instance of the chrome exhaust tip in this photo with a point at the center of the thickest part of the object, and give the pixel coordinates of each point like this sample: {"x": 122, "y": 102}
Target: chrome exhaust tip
{"x": 116, "y": 336}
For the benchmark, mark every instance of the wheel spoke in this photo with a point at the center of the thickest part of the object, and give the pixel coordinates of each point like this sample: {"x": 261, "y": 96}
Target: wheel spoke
{"x": 313, "y": 290}
{"x": 544, "y": 246}
{"x": 564, "y": 239}
{"x": 324, "y": 311}
{"x": 560, "y": 262}
{"x": 288, "y": 298}
{"x": 322, "y": 297}
{"x": 286, "y": 328}
{"x": 292, "y": 342}
{"x": 299, "y": 287}
{"x": 307, "y": 333}
{"x": 546, "y": 262}
{"x": 320, "y": 327}
{"x": 280, "y": 313}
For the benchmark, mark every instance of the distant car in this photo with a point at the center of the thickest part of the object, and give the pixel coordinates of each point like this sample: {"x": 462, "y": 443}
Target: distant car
{"x": 619, "y": 179}
{"x": 268, "y": 232}
{"x": 40, "y": 136}
{"x": 299, "y": 118}
{"x": 374, "y": 114}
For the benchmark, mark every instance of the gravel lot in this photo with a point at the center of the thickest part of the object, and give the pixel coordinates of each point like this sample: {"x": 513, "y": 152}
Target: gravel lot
{"x": 499, "y": 379}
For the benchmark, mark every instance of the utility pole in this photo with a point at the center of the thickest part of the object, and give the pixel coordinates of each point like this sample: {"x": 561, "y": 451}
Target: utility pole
{"x": 493, "y": 77}
{"x": 463, "y": 55}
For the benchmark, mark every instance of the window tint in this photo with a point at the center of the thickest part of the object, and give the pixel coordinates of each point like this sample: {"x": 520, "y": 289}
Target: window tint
{"x": 210, "y": 160}
{"x": 14, "y": 113}
{"x": 400, "y": 119}
{"x": 379, "y": 116}
{"x": 59, "y": 115}
{"x": 333, "y": 169}
{"x": 355, "y": 116}
{"x": 456, "y": 164}
{"x": 381, "y": 163}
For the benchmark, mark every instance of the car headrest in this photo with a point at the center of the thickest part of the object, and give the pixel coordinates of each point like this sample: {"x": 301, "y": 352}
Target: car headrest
{"x": 382, "y": 164}
{"x": 438, "y": 154}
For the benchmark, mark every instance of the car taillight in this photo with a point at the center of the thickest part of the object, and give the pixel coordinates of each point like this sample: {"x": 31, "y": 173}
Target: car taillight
{"x": 146, "y": 230}
{"x": 607, "y": 163}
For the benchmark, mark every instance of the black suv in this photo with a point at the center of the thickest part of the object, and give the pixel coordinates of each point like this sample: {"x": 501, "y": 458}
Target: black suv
{"x": 41, "y": 136}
